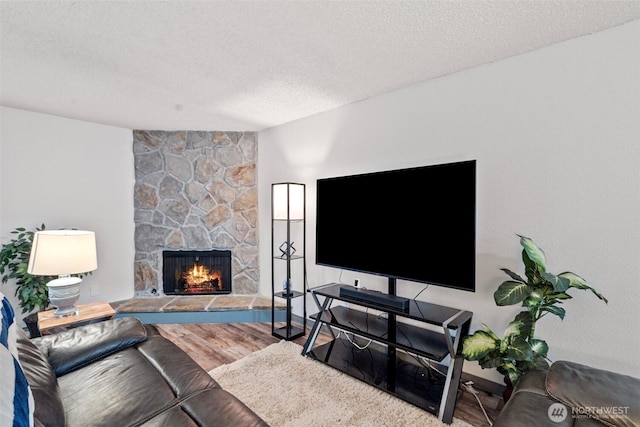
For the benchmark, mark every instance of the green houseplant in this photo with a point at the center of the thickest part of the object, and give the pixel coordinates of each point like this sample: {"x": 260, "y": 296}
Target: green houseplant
{"x": 540, "y": 294}
{"x": 14, "y": 260}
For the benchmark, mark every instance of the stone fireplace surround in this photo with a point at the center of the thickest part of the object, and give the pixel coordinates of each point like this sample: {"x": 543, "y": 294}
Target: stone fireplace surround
{"x": 195, "y": 191}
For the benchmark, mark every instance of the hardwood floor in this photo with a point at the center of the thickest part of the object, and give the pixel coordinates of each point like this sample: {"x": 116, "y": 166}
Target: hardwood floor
{"x": 215, "y": 344}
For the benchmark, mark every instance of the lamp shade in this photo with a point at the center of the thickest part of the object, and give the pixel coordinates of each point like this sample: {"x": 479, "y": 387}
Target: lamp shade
{"x": 62, "y": 252}
{"x": 288, "y": 201}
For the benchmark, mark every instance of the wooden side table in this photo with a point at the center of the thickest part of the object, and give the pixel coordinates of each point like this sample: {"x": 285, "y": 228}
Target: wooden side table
{"x": 87, "y": 313}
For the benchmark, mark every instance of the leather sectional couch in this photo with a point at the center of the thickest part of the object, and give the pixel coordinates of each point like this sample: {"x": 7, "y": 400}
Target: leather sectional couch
{"x": 572, "y": 394}
{"x": 121, "y": 373}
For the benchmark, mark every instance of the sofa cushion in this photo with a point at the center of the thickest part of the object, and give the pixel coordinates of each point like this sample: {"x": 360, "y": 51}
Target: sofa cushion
{"x": 609, "y": 397}
{"x": 8, "y": 325}
{"x": 121, "y": 389}
{"x": 16, "y": 401}
{"x": 42, "y": 381}
{"x": 213, "y": 407}
{"x": 132, "y": 386}
{"x": 72, "y": 349}
{"x": 16, "y": 398}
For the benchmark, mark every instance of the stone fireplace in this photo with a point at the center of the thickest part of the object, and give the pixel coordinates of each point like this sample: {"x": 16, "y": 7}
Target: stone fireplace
{"x": 195, "y": 191}
{"x": 196, "y": 272}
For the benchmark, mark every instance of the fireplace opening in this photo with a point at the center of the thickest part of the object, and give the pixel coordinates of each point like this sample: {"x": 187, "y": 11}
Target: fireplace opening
{"x": 196, "y": 272}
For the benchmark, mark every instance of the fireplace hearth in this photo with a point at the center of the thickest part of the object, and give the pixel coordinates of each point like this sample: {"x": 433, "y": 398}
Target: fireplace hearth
{"x": 196, "y": 272}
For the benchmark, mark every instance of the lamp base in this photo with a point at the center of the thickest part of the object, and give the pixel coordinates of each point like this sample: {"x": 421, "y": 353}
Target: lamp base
{"x": 66, "y": 311}
{"x": 63, "y": 294}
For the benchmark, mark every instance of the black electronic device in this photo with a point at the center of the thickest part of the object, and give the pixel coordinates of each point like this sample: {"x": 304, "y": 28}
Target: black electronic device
{"x": 415, "y": 224}
{"x": 375, "y": 297}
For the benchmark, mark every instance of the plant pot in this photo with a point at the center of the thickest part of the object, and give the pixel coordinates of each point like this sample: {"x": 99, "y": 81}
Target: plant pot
{"x": 508, "y": 389}
{"x": 32, "y": 325}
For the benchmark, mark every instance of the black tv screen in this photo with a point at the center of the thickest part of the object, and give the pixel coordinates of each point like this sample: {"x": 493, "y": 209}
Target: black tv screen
{"x": 415, "y": 224}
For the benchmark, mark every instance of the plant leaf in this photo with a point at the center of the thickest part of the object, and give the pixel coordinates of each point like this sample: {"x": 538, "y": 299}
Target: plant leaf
{"x": 514, "y": 329}
{"x": 534, "y": 253}
{"x": 558, "y": 311}
{"x": 490, "y": 332}
{"x": 519, "y": 349}
{"x": 513, "y": 275}
{"x": 578, "y": 282}
{"x": 539, "y": 347}
{"x": 510, "y": 292}
{"x": 491, "y": 361}
{"x": 524, "y": 317}
{"x": 559, "y": 283}
{"x": 478, "y": 345}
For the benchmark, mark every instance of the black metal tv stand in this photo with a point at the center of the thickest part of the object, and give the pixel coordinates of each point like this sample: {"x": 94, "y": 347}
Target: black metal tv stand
{"x": 400, "y": 357}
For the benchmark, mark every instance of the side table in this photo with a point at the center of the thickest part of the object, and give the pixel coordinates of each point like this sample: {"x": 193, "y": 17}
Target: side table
{"x": 87, "y": 313}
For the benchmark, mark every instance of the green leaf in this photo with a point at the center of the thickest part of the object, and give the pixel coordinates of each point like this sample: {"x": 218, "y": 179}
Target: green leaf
{"x": 510, "y": 292}
{"x": 578, "y": 282}
{"x": 519, "y": 350}
{"x": 560, "y": 296}
{"x": 478, "y": 345}
{"x": 534, "y": 299}
{"x": 514, "y": 329}
{"x": 491, "y": 360}
{"x": 525, "y": 318}
{"x": 560, "y": 284}
{"x": 513, "y": 275}
{"x": 539, "y": 347}
{"x": 490, "y": 332}
{"x": 534, "y": 253}
{"x": 514, "y": 376}
{"x": 558, "y": 311}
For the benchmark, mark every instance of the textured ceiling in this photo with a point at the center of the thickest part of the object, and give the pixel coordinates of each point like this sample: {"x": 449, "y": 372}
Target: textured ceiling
{"x": 250, "y": 65}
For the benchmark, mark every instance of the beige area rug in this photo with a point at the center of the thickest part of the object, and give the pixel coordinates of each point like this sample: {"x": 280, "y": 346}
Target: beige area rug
{"x": 289, "y": 390}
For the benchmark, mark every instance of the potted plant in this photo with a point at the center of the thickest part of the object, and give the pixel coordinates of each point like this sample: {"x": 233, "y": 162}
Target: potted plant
{"x": 541, "y": 293}
{"x": 31, "y": 291}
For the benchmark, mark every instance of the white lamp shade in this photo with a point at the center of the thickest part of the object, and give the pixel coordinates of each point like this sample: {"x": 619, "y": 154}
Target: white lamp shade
{"x": 288, "y": 201}
{"x": 61, "y": 252}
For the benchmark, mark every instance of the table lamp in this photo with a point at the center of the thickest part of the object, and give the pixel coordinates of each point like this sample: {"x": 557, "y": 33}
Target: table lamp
{"x": 63, "y": 253}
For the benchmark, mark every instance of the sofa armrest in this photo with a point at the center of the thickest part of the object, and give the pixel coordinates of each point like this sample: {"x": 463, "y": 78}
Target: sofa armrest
{"x": 75, "y": 348}
{"x": 609, "y": 397}
{"x": 529, "y": 405}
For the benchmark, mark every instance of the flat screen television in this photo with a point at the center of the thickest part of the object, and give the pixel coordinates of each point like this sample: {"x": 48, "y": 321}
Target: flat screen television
{"x": 415, "y": 224}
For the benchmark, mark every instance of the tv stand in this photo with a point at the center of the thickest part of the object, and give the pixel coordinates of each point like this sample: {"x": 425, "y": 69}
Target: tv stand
{"x": 400, "y": 357}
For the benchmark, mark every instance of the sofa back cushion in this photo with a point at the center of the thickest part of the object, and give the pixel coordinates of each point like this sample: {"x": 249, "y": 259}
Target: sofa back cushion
{"x": 16, "y": 399}
{"x": 7, "y": 325}
{"x": 43, "y": 382}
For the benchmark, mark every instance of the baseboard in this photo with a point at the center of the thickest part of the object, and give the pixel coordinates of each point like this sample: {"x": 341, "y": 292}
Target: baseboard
{"x": 483, "y": 384}
{"x": 223, "y": 316}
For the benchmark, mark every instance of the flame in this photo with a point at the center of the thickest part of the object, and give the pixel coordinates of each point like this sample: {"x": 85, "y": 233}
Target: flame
{"x": 200, "y": 277}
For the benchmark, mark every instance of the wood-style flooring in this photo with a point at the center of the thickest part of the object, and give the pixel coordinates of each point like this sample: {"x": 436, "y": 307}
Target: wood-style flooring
{"x": 215, "y": 344}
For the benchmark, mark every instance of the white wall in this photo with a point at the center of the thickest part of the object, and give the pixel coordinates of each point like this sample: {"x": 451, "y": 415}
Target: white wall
{"x": 71, "y": 174}
{"x": 556, "y": 135}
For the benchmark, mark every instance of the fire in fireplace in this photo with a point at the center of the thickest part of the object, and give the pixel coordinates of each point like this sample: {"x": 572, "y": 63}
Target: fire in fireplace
{"x": 196, "y": 272}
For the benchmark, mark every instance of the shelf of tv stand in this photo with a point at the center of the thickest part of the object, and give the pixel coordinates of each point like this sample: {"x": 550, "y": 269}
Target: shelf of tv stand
{"x": 423, "y": 342}
{"x": 371, "y": 366}
{"x": 380, "y": 365}
{"x": 418, "y": 310}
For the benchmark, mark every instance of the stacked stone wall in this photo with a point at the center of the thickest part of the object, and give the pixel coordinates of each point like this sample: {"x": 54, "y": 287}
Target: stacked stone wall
{"x": 195, "y": 191}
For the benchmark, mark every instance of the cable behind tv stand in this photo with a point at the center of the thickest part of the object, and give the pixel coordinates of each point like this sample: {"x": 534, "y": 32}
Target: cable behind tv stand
{"x": 390, "y": 362}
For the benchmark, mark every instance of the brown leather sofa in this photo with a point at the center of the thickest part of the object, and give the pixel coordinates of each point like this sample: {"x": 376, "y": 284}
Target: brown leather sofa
{"x": 571, "y": 394}
{"x": 123, "y": 373}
